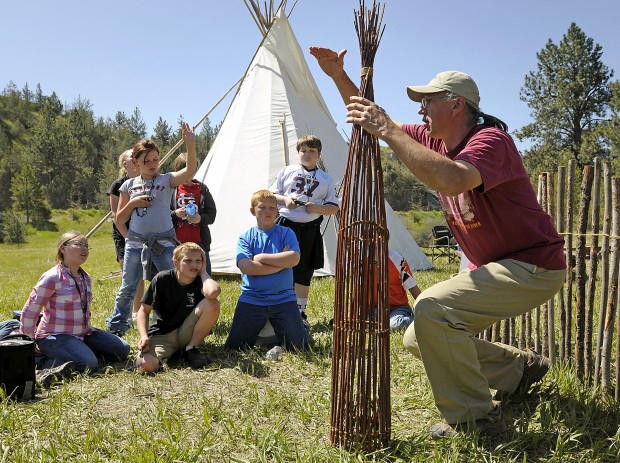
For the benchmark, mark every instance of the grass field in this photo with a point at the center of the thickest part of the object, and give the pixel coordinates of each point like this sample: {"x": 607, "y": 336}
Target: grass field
{"x": 245, "y": 408}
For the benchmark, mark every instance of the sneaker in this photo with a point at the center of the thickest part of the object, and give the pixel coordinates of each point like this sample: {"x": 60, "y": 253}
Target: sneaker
{"x": 48, "y": 377}
{"x": 492, "y": 425}
{"x": 304, "y": 320}
{"x": 118, "y": 333}
{"x": 195, "y": 358}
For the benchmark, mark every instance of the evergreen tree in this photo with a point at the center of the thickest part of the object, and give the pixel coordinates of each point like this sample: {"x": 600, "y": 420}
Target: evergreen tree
{"x": 162, "y": 134}
{"x": 27, "y": 95}
{"x": 26, "y": 191}
{"x": 13, "y": 229}
{"x": 136, "y": 124}
{"x": 86, "y": 147}
{"x": 39, "y": 98}
{"x": 54, "y": 104}
{"x": 611, "y": 128}
{"x": 53, "y": 155}
{"x": 569, "y": 95}
{"x": 205, "y": 138}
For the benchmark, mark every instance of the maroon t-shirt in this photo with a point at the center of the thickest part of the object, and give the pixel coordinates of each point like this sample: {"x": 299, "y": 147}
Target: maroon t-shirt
{"x": 501, "y": 219}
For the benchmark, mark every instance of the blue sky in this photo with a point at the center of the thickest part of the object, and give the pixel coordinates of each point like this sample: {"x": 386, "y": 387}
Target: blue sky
{"x": 171, "y": 58}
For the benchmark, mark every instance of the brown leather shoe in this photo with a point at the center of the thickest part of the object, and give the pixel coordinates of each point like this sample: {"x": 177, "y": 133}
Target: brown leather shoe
{"x": 535, "y": 368}
{"x": 492, "y": 425}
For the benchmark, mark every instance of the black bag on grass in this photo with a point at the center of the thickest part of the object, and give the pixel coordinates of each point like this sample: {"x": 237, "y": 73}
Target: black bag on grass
{"x": 17, "y": 376}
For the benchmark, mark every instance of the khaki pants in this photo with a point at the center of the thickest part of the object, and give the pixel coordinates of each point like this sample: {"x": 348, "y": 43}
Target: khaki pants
{"x": 166, "y": 345}
{"x": 460, "y": 367}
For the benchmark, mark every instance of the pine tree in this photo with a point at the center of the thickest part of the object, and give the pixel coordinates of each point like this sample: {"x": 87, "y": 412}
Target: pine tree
{"x": 162, "y": 134}
{"x": 569, "y": 95}
{"x": 26, "y": 191}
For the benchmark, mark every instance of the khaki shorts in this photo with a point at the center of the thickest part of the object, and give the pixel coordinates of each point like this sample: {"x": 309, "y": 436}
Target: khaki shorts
{"x": 164, "y": 346}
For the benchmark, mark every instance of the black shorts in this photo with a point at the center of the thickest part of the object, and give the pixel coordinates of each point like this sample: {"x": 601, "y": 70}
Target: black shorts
{"x": 310, "y": 246}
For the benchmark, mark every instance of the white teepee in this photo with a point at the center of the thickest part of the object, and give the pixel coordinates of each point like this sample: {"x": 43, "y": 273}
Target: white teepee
{"x": 277, "y": 102}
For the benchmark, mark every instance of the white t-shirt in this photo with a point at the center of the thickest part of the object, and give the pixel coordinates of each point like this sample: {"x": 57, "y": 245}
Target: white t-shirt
{"x": 315, "y": 186}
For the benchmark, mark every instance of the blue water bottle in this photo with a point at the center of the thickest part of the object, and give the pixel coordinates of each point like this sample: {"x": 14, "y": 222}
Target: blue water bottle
{"x": 191, "y": 209}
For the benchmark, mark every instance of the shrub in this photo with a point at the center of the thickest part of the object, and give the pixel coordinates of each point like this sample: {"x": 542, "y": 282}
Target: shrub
{"x": 13, "y": 229}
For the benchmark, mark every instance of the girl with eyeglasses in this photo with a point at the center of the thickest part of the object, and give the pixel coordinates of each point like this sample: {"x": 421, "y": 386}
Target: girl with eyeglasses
{"x": 145, "y": 199}
{"x": 64, "y": 336}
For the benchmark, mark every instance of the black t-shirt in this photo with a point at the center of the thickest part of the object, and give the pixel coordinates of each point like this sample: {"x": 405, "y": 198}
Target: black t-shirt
{"x": 171, "y": 300}
{"x": 115, "y": 190}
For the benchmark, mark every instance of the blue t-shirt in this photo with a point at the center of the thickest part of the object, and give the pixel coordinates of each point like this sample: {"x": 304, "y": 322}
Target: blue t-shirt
{"x": 273, "y": 289}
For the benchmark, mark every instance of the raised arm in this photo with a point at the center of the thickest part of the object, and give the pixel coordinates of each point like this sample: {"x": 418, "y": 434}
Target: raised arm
{"x": 332, "y": 64}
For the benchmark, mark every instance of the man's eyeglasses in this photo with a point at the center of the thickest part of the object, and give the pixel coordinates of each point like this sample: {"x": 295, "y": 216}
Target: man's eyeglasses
{"x": 78, "y": 245}
{"x": 425, "y": 101}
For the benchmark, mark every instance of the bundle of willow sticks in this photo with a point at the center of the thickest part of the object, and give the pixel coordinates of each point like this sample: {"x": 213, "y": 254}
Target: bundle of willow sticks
{"x": 360, "y": 411}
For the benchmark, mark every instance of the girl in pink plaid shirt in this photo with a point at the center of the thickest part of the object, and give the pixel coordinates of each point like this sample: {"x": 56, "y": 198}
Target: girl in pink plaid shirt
{"x": 63, "y": 293}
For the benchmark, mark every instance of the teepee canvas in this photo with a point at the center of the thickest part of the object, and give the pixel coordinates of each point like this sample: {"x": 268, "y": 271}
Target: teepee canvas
{"x": 277, "y": 102}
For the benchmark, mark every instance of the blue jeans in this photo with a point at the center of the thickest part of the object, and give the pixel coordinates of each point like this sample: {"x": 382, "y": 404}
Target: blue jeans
{"x": 61, "y": 348}
{"x": 249, "y": 319}
{"x": 400, "y": 318}
{"x": 6, "y": 327}
{"x": 132, "y": 274}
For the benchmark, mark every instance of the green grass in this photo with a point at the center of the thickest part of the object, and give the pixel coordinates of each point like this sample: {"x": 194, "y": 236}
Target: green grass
{"x": 244, "y": 408}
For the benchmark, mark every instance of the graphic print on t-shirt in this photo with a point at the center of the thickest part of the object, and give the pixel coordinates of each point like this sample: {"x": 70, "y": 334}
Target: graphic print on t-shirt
{"x": 460, "y": 211}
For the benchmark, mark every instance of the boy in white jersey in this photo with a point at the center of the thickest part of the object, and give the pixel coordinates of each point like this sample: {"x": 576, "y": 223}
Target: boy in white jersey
{"x": 305, "y": 194}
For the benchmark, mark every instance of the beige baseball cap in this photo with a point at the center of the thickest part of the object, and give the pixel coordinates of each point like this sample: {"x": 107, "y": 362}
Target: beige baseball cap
{"x": 457, "y": 82}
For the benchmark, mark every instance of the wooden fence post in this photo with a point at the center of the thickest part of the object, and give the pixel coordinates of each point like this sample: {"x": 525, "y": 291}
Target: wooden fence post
{"x": 550, "y": 304}
{"x": 568, "y": 227}
{"x": 604, "y": 276}
{"x": 580, "y": 269}
{"x": 560, "y": 227}
{"x": 612, "y": 294}
{"x": 545, "y": 317}
{"x": 593, "y": 268}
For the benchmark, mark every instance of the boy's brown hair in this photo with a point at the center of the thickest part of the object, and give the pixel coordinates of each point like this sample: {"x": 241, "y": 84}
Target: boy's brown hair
{"x": 311, "y": 141}
{"x": 262, "y": 195}
{"x": 184, "y": 248}
{"x": 181, "y": 162}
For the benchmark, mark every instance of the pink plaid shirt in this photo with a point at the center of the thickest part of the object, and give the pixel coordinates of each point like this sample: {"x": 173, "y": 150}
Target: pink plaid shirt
{"x": 56, "y": 293}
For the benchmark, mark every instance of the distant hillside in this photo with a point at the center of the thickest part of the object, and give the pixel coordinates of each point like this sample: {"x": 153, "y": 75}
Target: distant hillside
{"x": 402, "y": 190}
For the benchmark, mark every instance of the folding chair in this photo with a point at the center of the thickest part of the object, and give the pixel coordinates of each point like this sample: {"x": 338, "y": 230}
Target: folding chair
{"x": 443, "y": 243}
